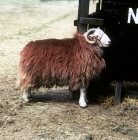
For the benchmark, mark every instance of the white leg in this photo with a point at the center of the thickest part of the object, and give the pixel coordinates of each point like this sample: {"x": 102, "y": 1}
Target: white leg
{"x": 26, "y": 95}
{"x": 83, "y": 100}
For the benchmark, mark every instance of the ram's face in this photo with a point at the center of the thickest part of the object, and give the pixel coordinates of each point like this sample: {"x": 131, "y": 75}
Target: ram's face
{"x": 104, "y": 39}
{"x": 95, "y": 35}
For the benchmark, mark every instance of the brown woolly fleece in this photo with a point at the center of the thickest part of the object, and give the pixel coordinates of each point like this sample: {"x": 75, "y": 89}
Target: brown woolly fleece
{"x": 67, "y": 62}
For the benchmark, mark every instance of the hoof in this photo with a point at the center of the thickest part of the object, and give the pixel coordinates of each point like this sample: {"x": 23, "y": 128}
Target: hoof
{"x": 25, "y": 99}
{"x": 83, "y": 104}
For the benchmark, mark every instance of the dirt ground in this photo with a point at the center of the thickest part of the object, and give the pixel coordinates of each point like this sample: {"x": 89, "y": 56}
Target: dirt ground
{"x": 51, "y": 115}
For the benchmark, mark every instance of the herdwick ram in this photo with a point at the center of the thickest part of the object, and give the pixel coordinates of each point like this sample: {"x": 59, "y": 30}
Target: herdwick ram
{"x": 69, "y": 62}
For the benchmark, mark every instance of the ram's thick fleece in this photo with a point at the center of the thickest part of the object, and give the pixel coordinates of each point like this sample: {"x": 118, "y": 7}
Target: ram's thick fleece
{"x": 69, "y": 61}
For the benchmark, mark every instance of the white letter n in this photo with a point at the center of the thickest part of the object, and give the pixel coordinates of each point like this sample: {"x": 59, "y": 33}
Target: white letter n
{"x": 131, "y": 13}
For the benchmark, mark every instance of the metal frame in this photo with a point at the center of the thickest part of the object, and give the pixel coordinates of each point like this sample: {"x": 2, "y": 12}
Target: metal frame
{"x": 82, "y": 25}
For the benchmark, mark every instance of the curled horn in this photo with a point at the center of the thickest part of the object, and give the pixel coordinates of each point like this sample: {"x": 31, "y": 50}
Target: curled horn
{"x": 89, "y": 36}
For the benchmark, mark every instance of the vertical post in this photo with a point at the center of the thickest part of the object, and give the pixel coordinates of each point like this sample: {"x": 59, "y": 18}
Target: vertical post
{"x": 83, "y": 11}
{"x": 118, "y": 88}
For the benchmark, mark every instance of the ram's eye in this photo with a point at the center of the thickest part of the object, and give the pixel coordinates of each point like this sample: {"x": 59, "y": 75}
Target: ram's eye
{"x": 97, "y": 35}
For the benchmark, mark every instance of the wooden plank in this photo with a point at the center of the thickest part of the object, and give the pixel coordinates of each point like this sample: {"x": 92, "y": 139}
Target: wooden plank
{"x": 118, "y": 88}
{"x": 83, "y": 11}
{"x": 93, "y": 21}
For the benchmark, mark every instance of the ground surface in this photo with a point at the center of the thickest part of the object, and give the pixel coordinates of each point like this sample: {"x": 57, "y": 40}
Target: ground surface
{"x": 51, "y": 115}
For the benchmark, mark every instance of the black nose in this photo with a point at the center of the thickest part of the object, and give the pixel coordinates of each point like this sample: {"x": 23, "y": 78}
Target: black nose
{"x": 109, "y": 42}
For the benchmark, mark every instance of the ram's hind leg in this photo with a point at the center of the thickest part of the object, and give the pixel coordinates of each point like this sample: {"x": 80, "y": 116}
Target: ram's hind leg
{"x": 83, "y": 99}
{"x": 26, "y": 95}
{"x": 70, "y": 93}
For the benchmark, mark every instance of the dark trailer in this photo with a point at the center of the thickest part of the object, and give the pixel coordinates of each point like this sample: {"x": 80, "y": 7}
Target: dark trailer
{"x": 119, "y": 19}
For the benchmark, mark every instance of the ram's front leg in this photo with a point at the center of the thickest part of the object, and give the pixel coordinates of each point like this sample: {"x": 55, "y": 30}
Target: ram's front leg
{"x": 26, "y": 95}
{"x": 83, "y": 100}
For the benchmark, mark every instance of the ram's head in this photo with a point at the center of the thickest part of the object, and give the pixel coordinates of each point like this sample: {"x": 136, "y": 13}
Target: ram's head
{"x": 96, "y": 35}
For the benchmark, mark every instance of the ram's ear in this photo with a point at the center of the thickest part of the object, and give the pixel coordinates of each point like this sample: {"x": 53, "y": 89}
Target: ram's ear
{"x": 91, "y": 37}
